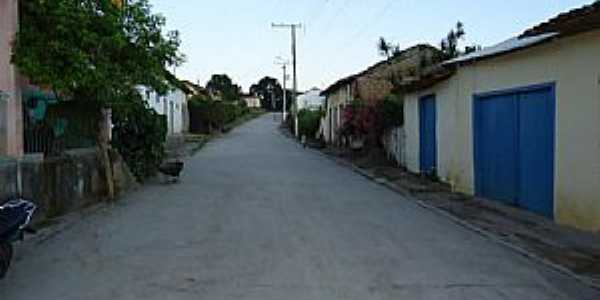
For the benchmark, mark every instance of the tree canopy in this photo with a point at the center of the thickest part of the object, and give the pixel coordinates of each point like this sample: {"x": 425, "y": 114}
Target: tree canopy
{"x": 270, "y": 92}
{"x": 222, "y": 85}
{"x": 94, "y": 50}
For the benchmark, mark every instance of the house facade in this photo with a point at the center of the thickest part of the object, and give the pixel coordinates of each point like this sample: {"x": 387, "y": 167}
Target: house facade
{"x": 173, "y": 105}
{"x": 519, "y": 122}
{"x": 252, "y": 101}
{"x": 311, "y": 100}
{"x": 337, "y": 97}
{"x": 372, "y": 85}
{"x": 11, "y": 117}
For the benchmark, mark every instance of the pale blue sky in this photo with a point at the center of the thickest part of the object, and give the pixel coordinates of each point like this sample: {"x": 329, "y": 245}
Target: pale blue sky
{"x": 339, "y": 36}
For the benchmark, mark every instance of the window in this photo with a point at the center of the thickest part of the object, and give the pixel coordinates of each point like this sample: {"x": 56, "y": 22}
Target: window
{"x": 157, "y": 98}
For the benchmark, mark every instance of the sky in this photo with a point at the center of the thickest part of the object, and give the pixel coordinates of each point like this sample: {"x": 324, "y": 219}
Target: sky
{"x": 338, "y": 37}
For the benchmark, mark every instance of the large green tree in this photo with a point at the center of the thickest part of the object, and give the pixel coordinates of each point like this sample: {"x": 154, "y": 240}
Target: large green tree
{"x": 222, "y": 85}
{"x": 94, "y": 50}
{"x": 270, "y": 92}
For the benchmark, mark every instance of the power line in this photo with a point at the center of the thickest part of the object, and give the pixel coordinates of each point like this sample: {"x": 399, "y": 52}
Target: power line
{"x": 359, "y": 33}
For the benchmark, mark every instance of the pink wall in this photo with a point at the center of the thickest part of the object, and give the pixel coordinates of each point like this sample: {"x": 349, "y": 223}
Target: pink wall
{"x": 11, "y": 125}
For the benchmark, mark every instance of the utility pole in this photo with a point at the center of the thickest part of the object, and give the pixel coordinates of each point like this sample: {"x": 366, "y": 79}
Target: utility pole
{"x": 293, "y": 28}
{"x": 284, "y": 93}
{"x": 284, "y": 64}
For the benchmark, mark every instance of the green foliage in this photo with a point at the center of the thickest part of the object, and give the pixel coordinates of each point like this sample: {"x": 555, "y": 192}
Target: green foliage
{"x": 222, "y": 85}
{"x": 268, "y": 89}
{"x": 391, "y": 112}
{"x": 309, "y": 122}
{"x": 139, "y": 134}
{"x": 94, "y": 50}
{"x": 207, "y": 115}
{"x": 449, "y": 44}
{"x": 387, "y": 49}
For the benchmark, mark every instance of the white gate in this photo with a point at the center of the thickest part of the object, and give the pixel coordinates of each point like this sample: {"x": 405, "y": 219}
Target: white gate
{"x": 393, "y": 142}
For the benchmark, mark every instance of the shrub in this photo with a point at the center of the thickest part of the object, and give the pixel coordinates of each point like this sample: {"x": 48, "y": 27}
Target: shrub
{"x": 359, "y": 119}
{"x": 309, "y": 122}
{"x": 139, "y": 134}
{"x": 371, "y": 121}
{"x": 391, "y": 112}
{"x": 207, "y": 115}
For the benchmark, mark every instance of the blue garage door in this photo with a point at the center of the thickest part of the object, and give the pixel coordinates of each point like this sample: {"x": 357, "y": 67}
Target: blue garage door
{"x": 427, "y": 134}
{"x": 514, "y": 147}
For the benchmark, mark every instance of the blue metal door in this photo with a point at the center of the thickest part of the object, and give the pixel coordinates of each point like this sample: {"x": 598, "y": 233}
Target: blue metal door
{"x": 496, "y": 148}
{"x": 536, "y": 150}
{"x": 427, "y": 134}
{"x": 514, "y": 147}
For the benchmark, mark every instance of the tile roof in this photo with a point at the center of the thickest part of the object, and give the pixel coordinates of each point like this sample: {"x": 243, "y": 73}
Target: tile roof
{"x": 578, "y": 20}
{"x": 349, "y": 79}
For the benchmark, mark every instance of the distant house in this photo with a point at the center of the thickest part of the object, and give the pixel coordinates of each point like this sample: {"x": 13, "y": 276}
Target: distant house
{"x": 252, "y": 101}
{"x": 337, "y": 96}
{"x": 193, "y": 89}
{"x": 518, "y": 122}
{"x": 11, "y": 123}
{"x": 311, "y": 100}
{"x": 372, "y": 85}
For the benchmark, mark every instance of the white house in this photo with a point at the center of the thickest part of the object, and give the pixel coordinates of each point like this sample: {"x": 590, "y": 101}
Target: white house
{"x": 252, "y": 101}
{"x": 311, "y": 100}
{"x": 172, "y": 105}
{"x": 518, "y": 122}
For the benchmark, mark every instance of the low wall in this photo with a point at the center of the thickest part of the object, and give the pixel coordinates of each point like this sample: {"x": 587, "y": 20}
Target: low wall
{"x": 8, "y": 178}
{"x": 62, "y": 184}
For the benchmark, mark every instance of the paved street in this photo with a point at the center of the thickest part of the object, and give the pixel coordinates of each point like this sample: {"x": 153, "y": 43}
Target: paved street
{"x": 257, "y": 217}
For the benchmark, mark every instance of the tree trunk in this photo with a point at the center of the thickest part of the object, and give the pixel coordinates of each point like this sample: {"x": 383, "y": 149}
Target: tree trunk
{"x": 104, "y": 137}
{"x": 108, "y": 171}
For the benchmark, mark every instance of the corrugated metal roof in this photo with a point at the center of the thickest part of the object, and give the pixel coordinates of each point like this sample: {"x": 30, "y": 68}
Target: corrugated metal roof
{"x": 507, "y": 46}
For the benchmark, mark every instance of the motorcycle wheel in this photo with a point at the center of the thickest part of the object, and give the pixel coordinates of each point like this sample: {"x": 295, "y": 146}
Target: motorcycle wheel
{"x": 6, "y": 253}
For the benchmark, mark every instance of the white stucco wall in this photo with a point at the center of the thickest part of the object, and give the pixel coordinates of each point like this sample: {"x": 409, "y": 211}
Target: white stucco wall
{"x": 178, "y": 100}
{"x": 252, "y": 102}
{"x": 162, "y": 105}
{"x": 573, "y": 64}
{"x": 311, "y": 100}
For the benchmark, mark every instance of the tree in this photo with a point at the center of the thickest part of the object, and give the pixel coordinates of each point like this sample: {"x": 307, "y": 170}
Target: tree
{"x": 449, "y": 44}
{"x": 270, "y": 92}
{"x": 222, "y": 85}
{"x": 384, "y": 47}
{"x": 94, "y": 50}
{"x": 387, "y": 49}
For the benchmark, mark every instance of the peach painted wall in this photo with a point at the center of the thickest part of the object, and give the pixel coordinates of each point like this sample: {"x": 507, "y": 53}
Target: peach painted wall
{"x": 11, "y": 128}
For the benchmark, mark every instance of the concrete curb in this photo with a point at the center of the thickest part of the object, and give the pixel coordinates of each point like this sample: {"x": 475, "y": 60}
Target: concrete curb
{"x": 386, "y": 183}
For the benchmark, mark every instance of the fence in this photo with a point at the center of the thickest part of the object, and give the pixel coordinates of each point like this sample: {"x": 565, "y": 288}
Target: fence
{"x": 51, "y": 127}
{"x": 394, "y": 141}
